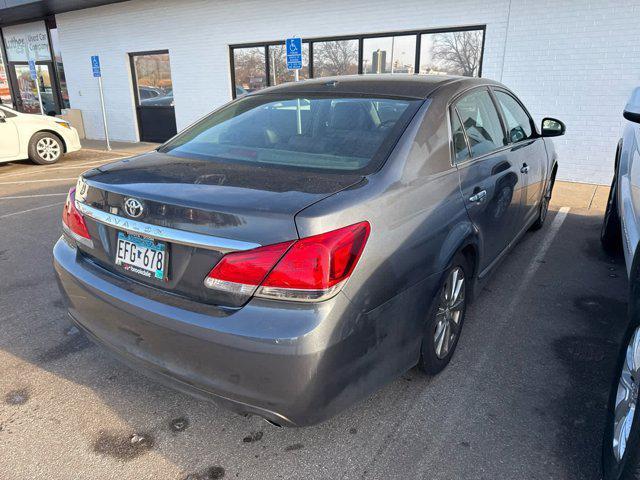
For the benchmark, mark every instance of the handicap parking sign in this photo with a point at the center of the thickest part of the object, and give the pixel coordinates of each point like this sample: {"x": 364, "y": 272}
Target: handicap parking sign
{"x": 95, "y": 66}
{"x": 294, "y": 53}
{"x": 32, "y": 69}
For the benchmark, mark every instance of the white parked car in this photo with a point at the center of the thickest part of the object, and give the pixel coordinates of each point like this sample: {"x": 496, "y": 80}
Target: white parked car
{"x": 40, "y": 138}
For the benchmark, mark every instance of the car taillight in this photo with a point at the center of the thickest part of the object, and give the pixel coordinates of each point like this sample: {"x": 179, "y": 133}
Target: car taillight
{"x": 310, "y": 269}
{"x": 242, "y": 272}
{"x": 73, "y": 222}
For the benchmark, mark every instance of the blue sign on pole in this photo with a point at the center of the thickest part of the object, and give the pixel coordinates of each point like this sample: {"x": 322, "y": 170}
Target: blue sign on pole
{"x": 95, "y": 66}
{"x": 294, "y": 53}
{"x": 32, "y": 70}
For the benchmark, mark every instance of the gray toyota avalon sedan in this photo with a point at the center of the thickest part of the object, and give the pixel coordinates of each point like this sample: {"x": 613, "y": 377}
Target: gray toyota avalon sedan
{"x": 304, "y": 245}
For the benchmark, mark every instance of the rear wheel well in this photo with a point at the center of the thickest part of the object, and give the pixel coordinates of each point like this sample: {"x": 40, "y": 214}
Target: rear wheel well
{"x": 470, "y": 253}
{"x": 634, "y": 287}
{"x": 617, "y": 158}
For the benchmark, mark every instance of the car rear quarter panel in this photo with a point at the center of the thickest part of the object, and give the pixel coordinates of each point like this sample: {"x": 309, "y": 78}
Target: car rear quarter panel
{"x": 418, "y": 221}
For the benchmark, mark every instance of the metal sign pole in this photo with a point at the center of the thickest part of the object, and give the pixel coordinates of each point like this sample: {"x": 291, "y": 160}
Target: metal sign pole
{"x": 33, "y": 71}
{"x": 297, "y": 79}
{"x": 39, "y": 95}
{"x": 294, "y": 62}
{"x": 104, "y": 114}
{"x": 97, "y": 73}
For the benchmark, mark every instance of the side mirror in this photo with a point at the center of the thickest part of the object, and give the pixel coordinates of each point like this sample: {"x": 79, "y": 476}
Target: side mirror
{"x": 2, "y": 117}
{"x": 632, "y": 110}
{"x": 552, "y": 127}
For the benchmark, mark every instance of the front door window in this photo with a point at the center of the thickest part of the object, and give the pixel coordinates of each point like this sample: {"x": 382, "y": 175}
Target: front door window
{"x": 27, "y": 91}
{"x": 154, "y": 95}
{"x": 28, "y": 101}
{"x": 47, "y": 92}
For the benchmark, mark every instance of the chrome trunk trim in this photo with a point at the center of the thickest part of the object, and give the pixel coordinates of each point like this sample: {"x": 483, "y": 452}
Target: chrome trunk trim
{"x": 165, "y": 234}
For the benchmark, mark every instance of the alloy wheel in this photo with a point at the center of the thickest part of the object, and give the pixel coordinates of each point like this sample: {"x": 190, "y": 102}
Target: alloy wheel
{"x": 449, "y": 313}
{"x": 626, "y": 396}
{"x": 48, "y": 149}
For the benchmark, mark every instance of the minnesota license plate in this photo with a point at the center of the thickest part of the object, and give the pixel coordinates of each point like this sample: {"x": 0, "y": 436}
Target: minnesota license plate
{"x": 141, "y": 255}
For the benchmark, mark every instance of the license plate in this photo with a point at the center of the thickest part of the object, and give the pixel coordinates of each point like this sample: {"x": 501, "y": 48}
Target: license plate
{"x": 141, "y": 255}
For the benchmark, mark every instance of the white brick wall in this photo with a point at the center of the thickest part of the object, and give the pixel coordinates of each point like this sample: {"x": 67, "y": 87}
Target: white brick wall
{"x": 577, "y": 60}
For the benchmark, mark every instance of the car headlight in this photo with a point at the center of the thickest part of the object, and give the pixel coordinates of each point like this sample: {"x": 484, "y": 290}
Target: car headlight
{"x": 63, "y": 123}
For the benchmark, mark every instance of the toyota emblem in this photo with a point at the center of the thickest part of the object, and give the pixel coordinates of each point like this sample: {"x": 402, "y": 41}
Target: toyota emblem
{"x": 133, "y": 207}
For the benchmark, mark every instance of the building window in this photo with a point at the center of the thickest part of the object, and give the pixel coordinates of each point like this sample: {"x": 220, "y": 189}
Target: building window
{"x": 278, "y": 72}
{"x": 59, "y": 67}
{"x": 451, "y": 53}
{"x": 250, "y": 69}
{"x": 5, "y": 93}
{"x": 153, "y": 79}
{"x": 389, "y": 54}
{"x": 445, "y": 51}
{"x": 339, "y": 57}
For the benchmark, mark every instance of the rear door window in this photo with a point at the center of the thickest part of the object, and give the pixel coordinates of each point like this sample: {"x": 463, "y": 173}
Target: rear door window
{"x": 460, "y": 148}
{"x": 481, "y": 122}
{"x": 309, "y": 132}
{"x": 518, "y": 122}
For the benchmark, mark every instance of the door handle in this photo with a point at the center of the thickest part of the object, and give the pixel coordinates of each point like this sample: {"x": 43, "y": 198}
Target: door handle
{"x": 478, "y": 197}
{"x": 525, "y": 168}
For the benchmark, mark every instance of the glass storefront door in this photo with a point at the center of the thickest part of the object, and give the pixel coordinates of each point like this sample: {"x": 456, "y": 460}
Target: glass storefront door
{"x": 27, "y": 100}
{"x": 5, "y": 90}
{"x": 153, "y": 95}
{"x": 31, "y": 41}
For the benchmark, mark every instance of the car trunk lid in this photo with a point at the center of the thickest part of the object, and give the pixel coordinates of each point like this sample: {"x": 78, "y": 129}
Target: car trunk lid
{"x": 199, "y": 209}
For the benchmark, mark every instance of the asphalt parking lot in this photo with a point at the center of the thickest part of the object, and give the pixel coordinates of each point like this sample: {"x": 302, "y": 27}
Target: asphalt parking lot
{"x": 524, "y": 396}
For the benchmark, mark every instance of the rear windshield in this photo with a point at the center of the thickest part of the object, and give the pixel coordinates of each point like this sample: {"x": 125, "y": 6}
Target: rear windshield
{"x": 310, "y": 132}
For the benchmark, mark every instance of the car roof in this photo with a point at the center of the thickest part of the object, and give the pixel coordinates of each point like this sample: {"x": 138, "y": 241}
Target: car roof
{"x": 397, "y": 85}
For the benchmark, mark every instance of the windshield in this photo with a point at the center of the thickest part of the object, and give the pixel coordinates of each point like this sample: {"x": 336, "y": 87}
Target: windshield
{"x": 309, "y": 132}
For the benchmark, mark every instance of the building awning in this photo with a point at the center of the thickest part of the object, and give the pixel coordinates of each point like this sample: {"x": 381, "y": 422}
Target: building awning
{"x": 12, "y": 11}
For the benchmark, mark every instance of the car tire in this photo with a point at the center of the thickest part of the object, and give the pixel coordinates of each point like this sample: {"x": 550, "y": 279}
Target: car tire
{"x": 611, "y": 232}
{"x": 45, "y": 148}
{"x": 621, "y": 461}
{"x": 544, "y": 205}
{"x": 446, "y": 317}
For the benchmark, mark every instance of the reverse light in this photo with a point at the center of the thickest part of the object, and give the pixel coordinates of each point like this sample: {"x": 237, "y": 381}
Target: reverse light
{"x": 73, "y": 222}
{"x": 310, "y": 269}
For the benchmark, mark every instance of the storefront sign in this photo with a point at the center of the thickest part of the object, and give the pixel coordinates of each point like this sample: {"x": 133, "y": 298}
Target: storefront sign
{"x": 27, "y": 42}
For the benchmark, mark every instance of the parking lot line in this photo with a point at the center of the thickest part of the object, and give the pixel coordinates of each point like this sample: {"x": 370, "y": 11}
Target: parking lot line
{"x": 40, "y": 181}
{"x": 551, "y": 233}
{"x": 35, "y": 171}
{"x": 18, "y": 197}
{"x": 500, "y": 327}
{"x": 42, "y": 207}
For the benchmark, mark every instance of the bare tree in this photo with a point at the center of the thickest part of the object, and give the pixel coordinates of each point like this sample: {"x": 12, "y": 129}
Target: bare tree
{"x": 249, "y": 66}
{"x": 336, "y": 58}
{"x": 458, "y": 52}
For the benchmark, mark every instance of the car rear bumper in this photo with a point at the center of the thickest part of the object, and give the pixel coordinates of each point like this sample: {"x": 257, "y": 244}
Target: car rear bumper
{"x": 292, "y": 363}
